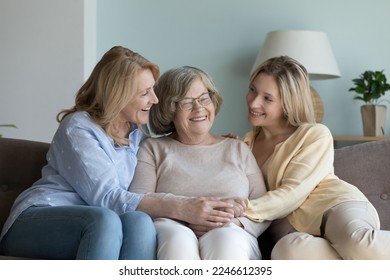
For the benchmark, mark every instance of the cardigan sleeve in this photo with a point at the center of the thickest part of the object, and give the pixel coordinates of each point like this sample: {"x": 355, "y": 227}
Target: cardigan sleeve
{"x": 298, "y": 166}
{"x": 257, "y": 189}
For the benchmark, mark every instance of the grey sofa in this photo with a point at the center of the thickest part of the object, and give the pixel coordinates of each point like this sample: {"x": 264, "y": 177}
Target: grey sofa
{"x": 366, "y": 165}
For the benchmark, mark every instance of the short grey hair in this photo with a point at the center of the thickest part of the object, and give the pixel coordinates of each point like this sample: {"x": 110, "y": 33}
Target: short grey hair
{"x": 172, "y": 87}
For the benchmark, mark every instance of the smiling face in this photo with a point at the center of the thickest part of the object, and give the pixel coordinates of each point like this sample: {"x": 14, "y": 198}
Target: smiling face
{"x": 137, "y": 110}
{"x": 264, "y": 103}
{"x": 194, "y": 124}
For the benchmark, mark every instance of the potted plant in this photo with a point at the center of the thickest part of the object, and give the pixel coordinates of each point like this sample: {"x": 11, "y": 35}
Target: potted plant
{"x": 7, "y": 125}
{"x": 369, "y": 88}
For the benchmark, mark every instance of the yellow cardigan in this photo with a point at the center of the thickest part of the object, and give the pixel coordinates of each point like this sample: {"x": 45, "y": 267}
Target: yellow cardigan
{"x": 301, "y": 180}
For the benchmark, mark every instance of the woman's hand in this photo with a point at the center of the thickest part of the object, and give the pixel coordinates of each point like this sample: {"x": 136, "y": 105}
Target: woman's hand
{"x": 239, "y": 206}
{"x": 231, "y": 135}
{"x": 202, "y": 213}
{"x": 206, "y": 211}
{"x": 200, "y": 230}
{"x": 237, "y": 209}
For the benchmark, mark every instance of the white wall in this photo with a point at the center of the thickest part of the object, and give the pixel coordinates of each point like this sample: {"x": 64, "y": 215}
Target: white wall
{"x": 90, "y": 58}
{"x": 41, "y": 64}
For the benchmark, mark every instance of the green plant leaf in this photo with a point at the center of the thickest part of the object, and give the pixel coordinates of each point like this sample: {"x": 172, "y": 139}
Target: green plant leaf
{"x": 370, "y": 86}
{"x": 8, "y": 125}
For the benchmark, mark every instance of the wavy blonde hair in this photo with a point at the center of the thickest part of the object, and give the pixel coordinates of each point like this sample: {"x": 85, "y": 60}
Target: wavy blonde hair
{"x": 111, "y": 86}
{"x": 293, "y": 83}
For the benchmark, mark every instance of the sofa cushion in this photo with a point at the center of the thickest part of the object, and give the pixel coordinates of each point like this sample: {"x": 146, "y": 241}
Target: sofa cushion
{"x": 367, "y": 166}
{"x": 21, "y": 162}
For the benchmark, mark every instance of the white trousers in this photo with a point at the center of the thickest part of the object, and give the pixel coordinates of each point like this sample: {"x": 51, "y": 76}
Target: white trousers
{"x": 350, "y": 230}
{"x": 178, "y": 242}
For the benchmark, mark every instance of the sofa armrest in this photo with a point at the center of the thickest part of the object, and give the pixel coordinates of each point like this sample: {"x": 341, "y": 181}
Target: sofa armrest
{"x": 367, "y": 166}
{"x": 21, "y": 162}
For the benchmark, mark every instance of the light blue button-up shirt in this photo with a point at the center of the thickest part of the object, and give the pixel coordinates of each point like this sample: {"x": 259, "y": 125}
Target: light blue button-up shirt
{"x": 84, "y": 168}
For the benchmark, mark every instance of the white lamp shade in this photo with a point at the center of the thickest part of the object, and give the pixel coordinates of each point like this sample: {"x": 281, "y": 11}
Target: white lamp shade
{"x": 311, "y": 48}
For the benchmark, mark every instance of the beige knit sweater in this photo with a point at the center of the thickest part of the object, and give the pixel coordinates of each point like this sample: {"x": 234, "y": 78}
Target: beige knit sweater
{"x": 225, "y": 169}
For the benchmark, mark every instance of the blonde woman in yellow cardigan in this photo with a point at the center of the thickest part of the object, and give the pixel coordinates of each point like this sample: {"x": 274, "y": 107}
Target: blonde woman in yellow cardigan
{"x": 315, "y": 214}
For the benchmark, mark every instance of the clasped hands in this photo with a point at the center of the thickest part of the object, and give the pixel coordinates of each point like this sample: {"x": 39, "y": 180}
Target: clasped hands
{"x": 208, "y": 213}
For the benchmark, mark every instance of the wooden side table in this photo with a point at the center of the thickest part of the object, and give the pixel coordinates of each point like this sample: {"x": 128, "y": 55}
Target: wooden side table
{"x": 343, "y": 140}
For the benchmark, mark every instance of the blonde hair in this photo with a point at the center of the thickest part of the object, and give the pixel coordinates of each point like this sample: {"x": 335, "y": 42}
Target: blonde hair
{"x": 293, "y": 83}
{"x": 111, "y": 86}
{"x": 171, "y": 87}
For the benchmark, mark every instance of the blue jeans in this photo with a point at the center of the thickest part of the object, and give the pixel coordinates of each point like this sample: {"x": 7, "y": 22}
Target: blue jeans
{"x": 81, "y": 232}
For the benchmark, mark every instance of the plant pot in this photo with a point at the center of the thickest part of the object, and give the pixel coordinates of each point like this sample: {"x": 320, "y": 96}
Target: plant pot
{"x": 374, "y": 118}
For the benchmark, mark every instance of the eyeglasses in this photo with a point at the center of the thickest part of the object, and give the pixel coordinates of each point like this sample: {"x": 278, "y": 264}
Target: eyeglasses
{"x": 188, "y": 103}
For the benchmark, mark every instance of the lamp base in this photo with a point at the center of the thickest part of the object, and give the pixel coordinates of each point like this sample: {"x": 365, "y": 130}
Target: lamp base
{"x": 317, "y": 105}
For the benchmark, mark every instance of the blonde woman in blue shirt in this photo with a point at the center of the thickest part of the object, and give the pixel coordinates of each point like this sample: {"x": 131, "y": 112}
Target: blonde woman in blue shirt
{"x": 315, "y": 214}
{"x": 81, "y": 208}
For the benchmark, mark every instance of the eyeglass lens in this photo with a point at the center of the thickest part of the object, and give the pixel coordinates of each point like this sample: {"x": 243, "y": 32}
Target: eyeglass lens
{"x": 188, "y": 103}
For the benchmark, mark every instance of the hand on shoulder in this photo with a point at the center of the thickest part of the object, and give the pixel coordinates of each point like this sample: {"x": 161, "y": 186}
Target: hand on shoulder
{"x": 232, "y": 135}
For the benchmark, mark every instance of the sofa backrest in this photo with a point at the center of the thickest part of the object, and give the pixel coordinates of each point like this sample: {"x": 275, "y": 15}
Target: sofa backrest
{"x": 367, "y": 166}
{"x": 21, "y": 162}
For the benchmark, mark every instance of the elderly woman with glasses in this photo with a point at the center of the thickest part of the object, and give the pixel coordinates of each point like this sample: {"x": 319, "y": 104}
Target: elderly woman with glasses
{"x": 189, "y": 161}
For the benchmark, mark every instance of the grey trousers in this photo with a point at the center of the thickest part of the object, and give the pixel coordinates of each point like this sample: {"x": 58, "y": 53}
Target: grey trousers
{"x": 350, "y": 230}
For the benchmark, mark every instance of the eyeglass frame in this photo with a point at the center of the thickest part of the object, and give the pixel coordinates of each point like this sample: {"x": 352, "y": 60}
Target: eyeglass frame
{"x": 180, "y": 104}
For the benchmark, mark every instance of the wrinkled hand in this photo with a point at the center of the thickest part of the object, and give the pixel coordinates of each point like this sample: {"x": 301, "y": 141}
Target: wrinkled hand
{"x": 208, "y": 212}
{"x": 199, "y": 230}
{"x": 236, "y": 210}
{"x": 239, "y": 206}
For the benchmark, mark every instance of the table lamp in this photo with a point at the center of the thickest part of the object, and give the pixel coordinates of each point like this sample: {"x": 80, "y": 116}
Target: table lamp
{"x": 311, "y": 48}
